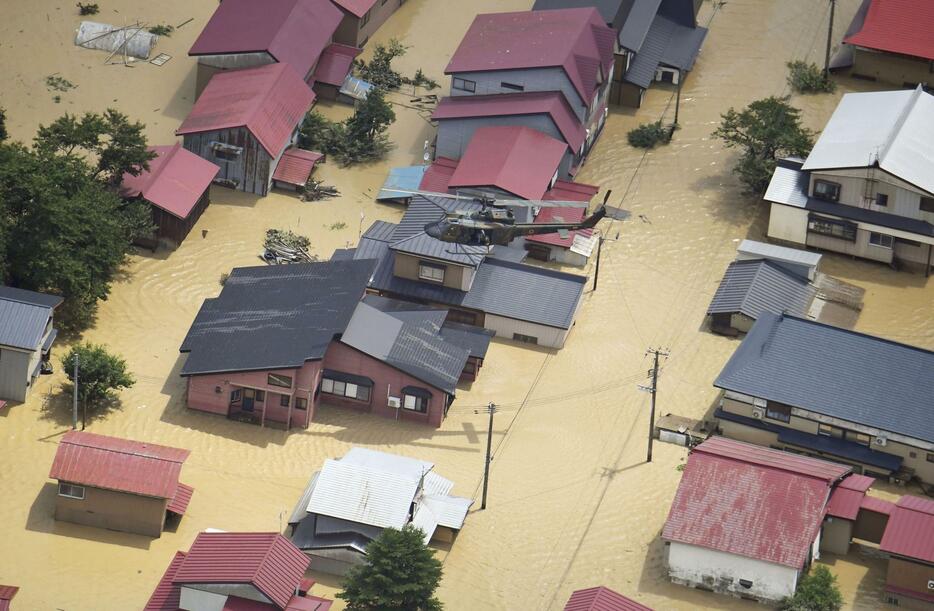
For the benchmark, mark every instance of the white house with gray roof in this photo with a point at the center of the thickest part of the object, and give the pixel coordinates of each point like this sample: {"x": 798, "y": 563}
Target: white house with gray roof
{"x": 26, "y": 337}
{"x": 867, "y": 187}
{"x": 352, "y": 499}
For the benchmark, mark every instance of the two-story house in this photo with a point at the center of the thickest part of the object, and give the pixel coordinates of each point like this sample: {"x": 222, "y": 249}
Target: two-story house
{"x": 803, "y": 386}
{"x": 567, "y": 51}
{"x": 867, "y": 187}
{"x": 26, "y": 337}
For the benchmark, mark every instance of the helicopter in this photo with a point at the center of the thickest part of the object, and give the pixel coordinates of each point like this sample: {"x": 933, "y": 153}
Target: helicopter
{"x": 496, "y": 226}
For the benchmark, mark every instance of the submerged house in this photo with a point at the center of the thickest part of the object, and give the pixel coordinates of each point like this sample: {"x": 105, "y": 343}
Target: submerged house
{"x": 867, "y": 187}
{"x": 349, "y": 502}
{"x": 7, "y": 593}
{"x": 746, "y": 520}
{"x": 247, "y": 34}
{"x": 493, "y": 290}
{"x": 890, "y": 41}
{"x": 908, "y": 540}
{"x": 573, "y": 247}
{"x": 280, "y": 340}
{"x": 27, "y": 333}
{"x": 245, "y": 120}
{"x": 362, "y": 18}
{"x": 569, "y": 52}
{"x": 118, "y": 484}
{"x": 237, "y": 571}
{"x": 820, "y": 390}
{"x": 601, "y": 599}
{"x": 177, "y": 189}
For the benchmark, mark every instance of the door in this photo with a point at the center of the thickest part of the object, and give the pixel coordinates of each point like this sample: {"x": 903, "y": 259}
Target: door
{"x": 249, "y": 397}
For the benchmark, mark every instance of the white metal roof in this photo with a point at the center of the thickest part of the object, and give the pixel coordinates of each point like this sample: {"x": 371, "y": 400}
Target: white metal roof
{"x": 894, "y": 129}
{"x": 764, "y": 250}
{"x": 361, "y": 494}
{"x": 435, "y": 484}
{"x": 451, "y": 511}
{"x": 426, "y": 520}
{"x": 583, "y": 245}
{"x": 393, "y": 463}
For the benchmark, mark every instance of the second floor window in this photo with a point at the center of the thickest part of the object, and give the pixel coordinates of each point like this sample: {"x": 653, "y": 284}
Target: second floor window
{"x": 464, "y": 85}
{"x": 882, "y": 199}
{"x": 365, "y": 19}
{"x": 432, "y": 273}
{"x": 777, "y": 411}
{"x": 927, "y": 204}
{"x": 275, "y": 379}
{"x": 824, "y": 189}
{"x": 512, "y": 86}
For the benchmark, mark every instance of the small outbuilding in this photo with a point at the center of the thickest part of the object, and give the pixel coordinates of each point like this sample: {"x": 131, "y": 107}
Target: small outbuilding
{"x": 601, "y": 599}
{"x": 118, "y": 484}
{"x": 295, "y": 168}
{"x": 572, "y": 247}
{"x": 909, "y": 541}
{"x": 6, "y": 596}
{"x": 177, "y": 189}
{"x": 334, "y": 73}
{"x": 362, "y": 18}
{"x": 27, "y": 333}
{"x": 800, "y": 262}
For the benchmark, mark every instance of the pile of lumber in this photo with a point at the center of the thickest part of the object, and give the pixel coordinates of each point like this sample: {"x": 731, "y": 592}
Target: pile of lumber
{"x": 286, "y": 247}
{"x": 316, "y": 190}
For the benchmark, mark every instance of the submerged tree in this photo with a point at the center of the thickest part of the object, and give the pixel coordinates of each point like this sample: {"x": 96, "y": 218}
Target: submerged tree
{"x": 817, "y": 591}
{"x": 400, "y": 574}
{"x": 766, "y": 130}
{"x": 99, "y": 374}
{"x": 378, "y": 71}
{"x": 3, "y": 134}
{"x": 362, "y": 137}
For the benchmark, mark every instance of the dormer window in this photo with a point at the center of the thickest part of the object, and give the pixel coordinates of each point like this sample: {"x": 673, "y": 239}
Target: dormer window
{"x": 431, "y": 272}
{"x": 826, "y": 190}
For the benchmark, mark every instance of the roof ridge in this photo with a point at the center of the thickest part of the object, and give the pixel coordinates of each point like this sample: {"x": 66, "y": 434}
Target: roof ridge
{"x": 166, "y": 159}
{"x": 762, "y": 463}
{"x": 899, "y": 124}
{"x": 280, "y": 30}
{"x": 867, "y": 336}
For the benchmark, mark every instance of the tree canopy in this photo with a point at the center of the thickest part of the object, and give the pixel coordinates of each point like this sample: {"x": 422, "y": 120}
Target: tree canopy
{"x": 400, "y": 574}
{"x": 766, "y": 130}
{"x": 3, "y": 134}
{"x": 817, "y": 591}
{"x": 361, "y": 137}
{"x": 99, "y": 372}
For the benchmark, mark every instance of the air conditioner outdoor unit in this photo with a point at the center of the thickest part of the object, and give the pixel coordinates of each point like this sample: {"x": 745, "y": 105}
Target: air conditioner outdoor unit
{"x": 880, "y": 441}
{"x": 758, "y": 413}
{"x": 395, "y": 402}
{"x": 930, "y": 584}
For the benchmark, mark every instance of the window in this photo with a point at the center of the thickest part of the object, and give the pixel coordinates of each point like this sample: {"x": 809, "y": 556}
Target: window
{"x": 274, "y": 379}
{"x": 345, "y": 389}
{"x": 284, "y": 400}
{"x": 226, "y": 152}
{"x": 930, "y": 457}
{"x": 467, "y": 318}
{"x": 464, "y": 85}
{"x": 260, "y": 396}
{"x": 745, "y": 583}
{"x": 825, "y": 430}
{"x": 882, "y": 199}
{"x": 824, "y": 189}
{"x": 365, "y": 19}
{"x": 881, "y": 240}
{"x": 833, "y": 228}
{"x": 927, "y": 204}
{"x": 860, "y": 438}
{"x": 512, "y": 86}
{"x": 235, "y": 395}
{"x": 301, "y": 403}
{"x": 432, "y": 273}
{"x": 525, "y": 339}
{"x": 777, "y": 411}
{"x": 416, "y": 404}
{"x": 71, "y": 491}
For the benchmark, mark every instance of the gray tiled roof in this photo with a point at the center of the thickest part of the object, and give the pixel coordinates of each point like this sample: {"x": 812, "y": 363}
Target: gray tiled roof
{"x": 751, "y": 287}
{"x": 667, "y": 43}
{"x": 636, "y": 28}
{"x": 613, "y": 12}
{"x": 836, "y": 372}
{"x": 24, "y": 316}
{"x": 474, "y": 339}
{"x": 274, "y": 316}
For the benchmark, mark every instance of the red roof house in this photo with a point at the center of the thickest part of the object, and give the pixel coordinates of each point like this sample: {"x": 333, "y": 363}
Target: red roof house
{"x": 244, "y": 121}
{"x": 601, "y": 599}
{"x": 335, "y": 64}
{"x": 747, "y": 519}
{"x": 909, "y": 541}
{"x": 892, "y": 40}
{"x": 6, "y": 595}
{"x": 246, "y": 33}
{"x": 295, "y": 168}
{"x": 568, "y": 247}
{"x": 245, "y": 572}
{"x": 176, "y": 185}
{"x": 97, "y": 473}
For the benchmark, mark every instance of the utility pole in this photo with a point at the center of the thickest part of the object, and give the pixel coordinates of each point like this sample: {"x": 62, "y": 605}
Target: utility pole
{"x": 74, "y": 409}
{"x": 833, "y": 5}
{"x": 490, "y": 409}
{"x": 596, "y": 273}
{"x": 653, "y": 391}
{"x": 678, "y": 98}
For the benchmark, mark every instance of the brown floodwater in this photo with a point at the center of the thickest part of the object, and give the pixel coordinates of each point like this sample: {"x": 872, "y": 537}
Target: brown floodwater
{"x": 572, "y": 503}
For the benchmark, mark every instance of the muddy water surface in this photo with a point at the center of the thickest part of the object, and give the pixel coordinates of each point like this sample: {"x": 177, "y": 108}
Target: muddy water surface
{"x": 572, "y": 502}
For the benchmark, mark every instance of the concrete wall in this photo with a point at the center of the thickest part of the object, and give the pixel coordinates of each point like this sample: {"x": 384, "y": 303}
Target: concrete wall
{"x": 533, "y": 79}
{"x": 252, "y": 170}
{"x": 788, "y": 223}
{"x": 721, "y": 572}
{"x": 350, "y": 32}
{"x": 14, "y": 373}
{"x": 113, "y": 510}
{"x": 549, "y": 337}
{"x": 455, "y": 276}
{"x": 836, "y": 535}
{"x": 910, "y": 575}
{"x": 898, "y": 70}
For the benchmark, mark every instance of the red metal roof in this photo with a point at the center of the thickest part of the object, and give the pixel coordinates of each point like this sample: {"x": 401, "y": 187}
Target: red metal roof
{"x": 118, "y": 464}
{"x": 179, "y": 502}
{"x": 8, "y": 592}
{"x": 857, "y": 482}
{"x": 438, "y": 175}
{"x": 601, "y": 599}
{"x": 235, "y": 603}
{"x": 309, "y": 603}
{"x": 291, "y": 31}
{"x": 898, "y": 26}
{"x": 551, "y": 103}
{"x": 847, "y": 498}
{"x": 335, "y": 64}
{"x": 166, "y": 595}
{"x": 518, "y": 160}
{"x": 357, "y": 7}
{"x": 910, "y": 530}
{"x": 176, "y": 180}
{"x": 270, "y": 101}
{"x": 910, "y": 593}
{"x": 871, "y": 503}
{"x": 751, "y": 501}
{"x": 268, "y": 561}
{"x": 565, "y": 191}
{"x": 295, "y": 166}
{"x": 575, "y": 39}
{"x": 559, "y": 215}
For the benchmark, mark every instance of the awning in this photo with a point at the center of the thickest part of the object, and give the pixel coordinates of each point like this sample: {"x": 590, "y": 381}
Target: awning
{"x": 355, "y": 88}
{"x": 842, "y": 448}
{"x": 179, "y": 502}
{"x": 340, "y": 376}
{"x": 416, "y": 391}
{"x": 295, "y": 166}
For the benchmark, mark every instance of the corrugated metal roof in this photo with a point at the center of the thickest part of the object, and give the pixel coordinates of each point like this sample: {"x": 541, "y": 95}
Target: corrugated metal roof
{"x": 166, "y": 596}
{"x": 274, "y": 316}
{"x": 551, "y": 103}
{"x": 22, "y": 325}
{"x": 179, "y": 503}
{"x": 613, "y": 12}
{"x": 637, "y": 24}
{"x": 308, "y": 603}
{"x": 176, "y": 180}
{"x": 268, "y": 561}
{"x": 539, "y": 39}
{"x": 412, "y": 468}
{"x": 601, "y": 599}
{"x": 425, "y": 520}
{"x": 362, "y": 494}
{"x": 270, "y": 101}
{"x": 118, "y": 464}
{"x": 47, "y": 300}
{"x": 358, "y": 8}
{"x": 474, "y": 339}
{"x": 8, "y": 592}
{"x": 763, "y": 250}
{"x": 897, "y": 26}
{"x": 789, "y": 185}
{"x": 402, "y": 182}
{"x": 751, "y": 501}
{"x": 291, "y": 31}
{"x": 910, "y": 529}
{"x": 845, "y": 503}
{"x": 871, "y": 503}
{"x": 570, "y": 192}
{"x": 835, "y": 372}
{"x": 753, "y": 286}
{"x": 891, "y": 129}
{"x": 449, "y": 511}
{"x": 296, "y": 165}
{"x": 667, "y": 43}
{"x": 335, "y": 64}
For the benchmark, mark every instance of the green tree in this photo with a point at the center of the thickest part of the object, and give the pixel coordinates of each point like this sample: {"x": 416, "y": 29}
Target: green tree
{"x": 3, "y": 134}
{"x": 378, "y": 70}
{"x": 361, "y": 137}
{"x": 766, "y": 130}
{"x": 817, "y": 591}
{"x": 400, "y": 574}
{"x": 316, "y": 132}
{"x": 99, "y": 373}
{"x": 111, "y": 142}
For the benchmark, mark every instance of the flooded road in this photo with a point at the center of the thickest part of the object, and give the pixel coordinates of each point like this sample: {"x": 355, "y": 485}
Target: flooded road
{"x": 572, "y": 503}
